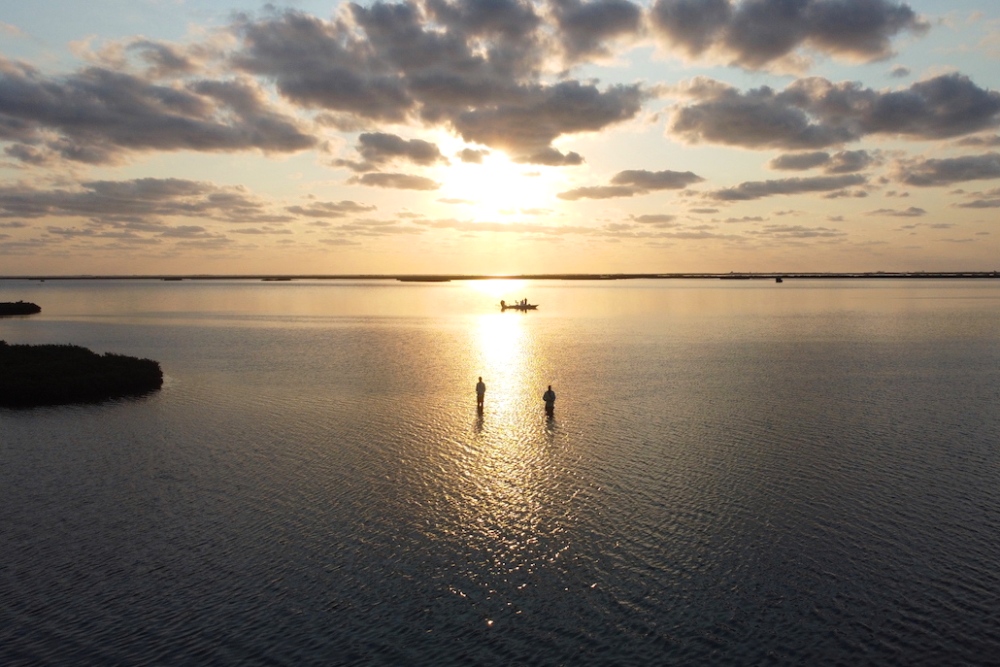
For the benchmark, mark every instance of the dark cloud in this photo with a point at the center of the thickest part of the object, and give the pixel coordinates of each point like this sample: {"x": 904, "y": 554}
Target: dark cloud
{"x": 552, "y": 158}
{"x": 693, "y": 25}
{"x": 378, "y": 148}
{"x": 982, "y": 200}
{"x": 163, "y": 60}
{"x": 598, "y": 192}
{"x": 815, "y": 113}
{"x": 899, "y": 72}
{"x": 396, "y": 181}
{"x": 849, "y": 162}
{"x": 981, "y": 203}
{"x": 471, "y": 66}
{"x": 656, "y": 180}
{"x": 97, "y": 115}
{"x": 947, "y": 171}
{"x": 786, "y": 186}
{"x": 759, "y": 118}
{"x": 472, "y": 156}
{"x": 634, "y": 182}
{"x": 321, "y": 64}
{"x": 330, "y": 209}
{"x": 796, "y": 232}
{"x": 137, "y": 204}
{"x": 261, "y": 231}
{"x": 799, "y": 161}
{"x": 847, "y": 194}
{"x": 585, "y": 27}
{"x": 657, "y": 221}
{"x": 535, "y": 115}
{"x": 757, "y": 33}
{"x": 986, "y": 142}
{"x": 30, "y": 155}
{"x": 912, "y": 212}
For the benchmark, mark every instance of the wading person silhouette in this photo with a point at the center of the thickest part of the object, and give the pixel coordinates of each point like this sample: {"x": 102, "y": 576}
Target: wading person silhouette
{"x": 480, "y": 393}
{"x": 550, "y": 400}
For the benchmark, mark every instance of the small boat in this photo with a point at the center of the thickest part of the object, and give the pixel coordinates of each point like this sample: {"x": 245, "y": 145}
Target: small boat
{"x": 518, "y": 306}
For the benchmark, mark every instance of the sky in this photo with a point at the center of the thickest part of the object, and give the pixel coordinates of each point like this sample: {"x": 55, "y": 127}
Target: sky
{"x": 498, "y": 137}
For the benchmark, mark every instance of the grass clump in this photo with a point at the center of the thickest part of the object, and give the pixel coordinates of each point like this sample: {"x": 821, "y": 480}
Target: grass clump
{"x": 33, "y": 375}
{"x": 19, "y": 308}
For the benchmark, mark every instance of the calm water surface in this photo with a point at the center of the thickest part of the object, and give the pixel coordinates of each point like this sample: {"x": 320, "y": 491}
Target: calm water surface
{"x": 737, "y": 473}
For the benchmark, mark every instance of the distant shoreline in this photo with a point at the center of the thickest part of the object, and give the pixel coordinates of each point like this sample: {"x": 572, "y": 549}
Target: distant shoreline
{"x": 442, "y": 278}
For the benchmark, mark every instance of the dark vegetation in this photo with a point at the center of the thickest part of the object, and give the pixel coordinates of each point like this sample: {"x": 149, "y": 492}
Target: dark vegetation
{"x": 19, "y": 308}
{"x": 33, "y": 375}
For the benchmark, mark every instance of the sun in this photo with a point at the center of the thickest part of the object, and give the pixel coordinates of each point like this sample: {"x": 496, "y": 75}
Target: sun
{"x": 497, "y": 189}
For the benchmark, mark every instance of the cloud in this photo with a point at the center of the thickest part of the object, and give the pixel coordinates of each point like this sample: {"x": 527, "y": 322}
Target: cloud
{"x": 473, "y": 67}
{"x": 138, "y": 203}
{"x": 899, "y": 72}
{"x": 163, "y": 60}
{"x": 330, "y": 209}
{"x": 982, "y": 200}
{"x": 534, "y": 115}
{"x": 634, "y": 182}
{"x": 661, "y": 221}
{"x": 848, "y": 162}
{"x": 933, "y": 172}
{"x": 986, "y": 142}
{"x": 378, "y": 148}
{"x": 98, "y": 116}
{"x": 551, "y": 157}
{"x": 584, "y": 27}
{"x": 814, "y": 113}
{"x": 981, "y": 204}
{"x": 799, "y": 161}
{"x": 787, "y": 186}
{"x": 598, "y": 192}
{"x": 754, "y": 34}
{"x": 472, "y": 156}
{"x": 396, "y": 181}
{"x": 912, "y": 212}
{"x": 796, "y": 232}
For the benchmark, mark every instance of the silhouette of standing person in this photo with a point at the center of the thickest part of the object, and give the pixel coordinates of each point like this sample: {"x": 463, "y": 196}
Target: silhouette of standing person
{"x": 480, "y": 393}
{"x": 550, "y": 401}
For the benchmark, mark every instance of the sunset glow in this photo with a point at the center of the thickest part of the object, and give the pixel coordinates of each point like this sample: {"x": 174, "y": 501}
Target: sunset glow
{"x": 521, "y": 136}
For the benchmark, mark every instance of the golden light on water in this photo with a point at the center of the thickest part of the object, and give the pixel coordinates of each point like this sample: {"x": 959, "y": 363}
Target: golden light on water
{"x": 499, "y": 288}
{"x": 501, "y": 359}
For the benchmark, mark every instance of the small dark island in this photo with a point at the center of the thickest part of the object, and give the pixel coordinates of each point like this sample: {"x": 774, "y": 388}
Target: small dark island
{"x": 32, "y": 375}
{"x": 19, "y": 308}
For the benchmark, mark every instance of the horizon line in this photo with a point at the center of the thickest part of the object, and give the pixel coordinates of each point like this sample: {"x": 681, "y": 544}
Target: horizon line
{"x": 444, "y": 277}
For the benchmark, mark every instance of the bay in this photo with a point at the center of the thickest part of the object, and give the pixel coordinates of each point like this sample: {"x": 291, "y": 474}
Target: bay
{"x": 737, "y": 472}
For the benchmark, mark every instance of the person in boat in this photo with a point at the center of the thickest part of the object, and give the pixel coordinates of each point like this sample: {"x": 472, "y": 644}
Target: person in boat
{"x": 503, "y": 304}
{"x": 550, "y": 400}
{"x": 480, "y": 393}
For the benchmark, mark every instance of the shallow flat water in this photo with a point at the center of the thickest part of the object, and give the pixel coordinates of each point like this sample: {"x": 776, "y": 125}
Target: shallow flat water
{"x": 736, "y": 473}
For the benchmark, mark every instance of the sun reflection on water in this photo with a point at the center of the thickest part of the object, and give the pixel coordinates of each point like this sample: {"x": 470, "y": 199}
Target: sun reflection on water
{"x": 502, "y": 484}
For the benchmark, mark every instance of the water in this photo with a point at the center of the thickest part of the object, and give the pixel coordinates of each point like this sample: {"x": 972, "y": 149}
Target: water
{"x": 736, "y": 473}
